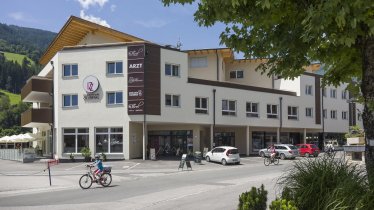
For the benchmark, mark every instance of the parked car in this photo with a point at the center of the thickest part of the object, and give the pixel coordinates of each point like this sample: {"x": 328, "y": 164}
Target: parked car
{"x": 284, "y": 151}
{"x": 308, "y": 150}
{"x": 224, "y": 155}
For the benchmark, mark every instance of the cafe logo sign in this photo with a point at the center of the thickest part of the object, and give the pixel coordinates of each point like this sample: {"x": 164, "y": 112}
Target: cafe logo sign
{"x": 90, "y": 84}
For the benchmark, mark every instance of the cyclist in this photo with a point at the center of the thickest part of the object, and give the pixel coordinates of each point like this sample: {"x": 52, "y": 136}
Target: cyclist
{"x": 99, "y": 164}
{"x": 272, "y": 152}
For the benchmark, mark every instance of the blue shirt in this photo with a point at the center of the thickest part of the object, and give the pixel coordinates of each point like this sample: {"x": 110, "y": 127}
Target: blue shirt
{"x": 99, "y": 164}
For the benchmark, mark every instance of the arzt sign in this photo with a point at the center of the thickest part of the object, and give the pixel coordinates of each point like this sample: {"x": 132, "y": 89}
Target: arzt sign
{"x": 135, "y": 83}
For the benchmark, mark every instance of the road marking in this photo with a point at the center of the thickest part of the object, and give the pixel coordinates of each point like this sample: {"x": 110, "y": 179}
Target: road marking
{"x": 75, "y": 166}
{"x": 132, "y": 166}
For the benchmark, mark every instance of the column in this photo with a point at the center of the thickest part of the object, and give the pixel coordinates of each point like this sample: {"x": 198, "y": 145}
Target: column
{"x": 211, "y": 136}
{"x": 247, "y": 140}
{"x": 304, "y": 136}
{"x": 278, "y": 135}
{"x": 144, "y": 140}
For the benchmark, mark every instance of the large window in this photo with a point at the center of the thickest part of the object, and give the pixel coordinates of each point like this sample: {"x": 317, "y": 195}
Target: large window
{"x": 75, "y": 139}
{"x": 172, "y": 70}
{"x": 333, "y": 93}
{"x": 70, "y": 100}
{"x": 333, "y": 114}
{"x": 201, "y": 105}
{"x": 309, "y": 112}
{"x": 114, "y": 98}
{"x": 109, "y": 140}
{"x": 70, "y": 70}
{"x": 198, "y": 62}
{"x": 272, "y": 111}
{"x": 292, "y": 113}
{"x": 115, "y": 67}
{"x": 228, "y": 107}
{"x": 308, "y": 90}
{"x": 252, "y": 109}
{"x": 237, "y": 74}
{"x": 172, "y": 100}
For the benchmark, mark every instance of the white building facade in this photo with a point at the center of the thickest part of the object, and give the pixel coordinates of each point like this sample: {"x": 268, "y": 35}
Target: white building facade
{"x": 121, "y": 95}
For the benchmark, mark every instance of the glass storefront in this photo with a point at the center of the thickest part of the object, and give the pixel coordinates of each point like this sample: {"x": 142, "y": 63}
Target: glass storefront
{"x": 224, "y": 139}
{"x": 109, "y": 140}
{"x": 75, "y": 139}
{"x": 170, "y": 143}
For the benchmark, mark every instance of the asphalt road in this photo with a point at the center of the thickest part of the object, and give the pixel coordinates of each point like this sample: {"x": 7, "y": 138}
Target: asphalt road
{"x": 211, "y": 186}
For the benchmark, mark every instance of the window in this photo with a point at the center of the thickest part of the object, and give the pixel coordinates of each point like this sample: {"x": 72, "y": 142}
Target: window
{"x": 228, "y": 107}
{"x": 272, "y": 111}
{"x": 333, "y": 114}
{"x": 75, "y": 139}
{"x": 344, "y": 115}
{"x": 172, "y": 70}
{"x": 309, "y": 112}
{"x": 333, "y": 93}
{"x": 115, "y": 67}
{"x": 109, "y": 140}
{"x": 201, "y": 105}
{"x": 172, "y": 100}
{"x": 252, "y": 109}
{"x": 324, "y": 113}
{"x": 70, "y": 100}
{"x": 70, "y": 70}
{"x": 114, "y": 98}
{"x": 292, "y": 113}
{"x": 237, "y": 74}
{"x": 324, "y": 92}
{"x": 308, "y": 90}
{"x": 198, "y": 62}
{"x": 344, "y": 94}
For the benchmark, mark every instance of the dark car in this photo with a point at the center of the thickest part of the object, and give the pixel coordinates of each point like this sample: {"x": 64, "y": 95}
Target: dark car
{"x": 308, "y": 150}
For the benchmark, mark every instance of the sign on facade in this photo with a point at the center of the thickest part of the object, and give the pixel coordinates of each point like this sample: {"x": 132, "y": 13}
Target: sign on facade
{"x": 135, "y": 83}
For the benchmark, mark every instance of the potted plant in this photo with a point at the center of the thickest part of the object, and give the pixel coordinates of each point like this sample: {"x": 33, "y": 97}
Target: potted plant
{"x": 355, "y": 135}
{"x": 86, "y": 153}
{"x": 103, "y": 155}
{"x": 72, "y": 157}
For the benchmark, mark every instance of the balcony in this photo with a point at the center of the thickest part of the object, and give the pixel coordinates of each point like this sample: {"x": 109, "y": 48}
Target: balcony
{"x": 37, "y": 89}
{"x": 33, "y": 118}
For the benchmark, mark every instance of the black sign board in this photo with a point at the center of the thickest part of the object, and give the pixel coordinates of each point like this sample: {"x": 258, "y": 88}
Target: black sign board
{"x": 135, "y": 75}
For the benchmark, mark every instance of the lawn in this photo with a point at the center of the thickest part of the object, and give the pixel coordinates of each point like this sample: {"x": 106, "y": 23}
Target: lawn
{"x": 14, "y": 98}
{"x": 16, "y": 57}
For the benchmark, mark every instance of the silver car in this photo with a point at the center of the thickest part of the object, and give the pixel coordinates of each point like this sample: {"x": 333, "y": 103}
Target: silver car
{"x": 283, "y": 150}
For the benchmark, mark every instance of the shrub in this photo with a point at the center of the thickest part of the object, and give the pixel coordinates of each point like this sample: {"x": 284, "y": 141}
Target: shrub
{"x": 86, "y": 153}
{"x": 282, "y": 204}
{"x": 324, "y": 183}
{"x": 103, "y": 155}
{"x": 254, "y": 199}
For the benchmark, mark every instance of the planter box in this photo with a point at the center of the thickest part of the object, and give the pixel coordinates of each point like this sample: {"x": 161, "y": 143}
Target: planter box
{"x": 356, "y": 140}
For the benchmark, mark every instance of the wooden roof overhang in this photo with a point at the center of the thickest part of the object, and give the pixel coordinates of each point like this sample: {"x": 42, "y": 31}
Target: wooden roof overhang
{"x": 226, "y": 53}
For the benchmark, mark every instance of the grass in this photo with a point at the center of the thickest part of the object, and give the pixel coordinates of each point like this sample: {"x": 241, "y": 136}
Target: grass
{"x": 13, "y": 98}
{"x": 16, "y": 57}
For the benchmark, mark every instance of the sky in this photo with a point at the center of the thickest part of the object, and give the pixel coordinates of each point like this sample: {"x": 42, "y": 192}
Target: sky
{"x": 146, "y": 19}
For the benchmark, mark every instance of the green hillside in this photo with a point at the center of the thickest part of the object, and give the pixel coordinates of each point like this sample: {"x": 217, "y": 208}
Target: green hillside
{"x": 16, "y": 57}
{"x": 14, "y": 98}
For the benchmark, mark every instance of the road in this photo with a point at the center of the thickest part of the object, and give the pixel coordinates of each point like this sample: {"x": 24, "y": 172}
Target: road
{"x": 210, "y": 186}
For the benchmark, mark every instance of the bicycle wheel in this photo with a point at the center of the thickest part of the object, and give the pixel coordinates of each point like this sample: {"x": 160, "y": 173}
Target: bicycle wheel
{"x": 266, "y": 161}
{"x": 105, "y": 179}
{"x": 276, "y": 161}
{"x": 85, "y": 181}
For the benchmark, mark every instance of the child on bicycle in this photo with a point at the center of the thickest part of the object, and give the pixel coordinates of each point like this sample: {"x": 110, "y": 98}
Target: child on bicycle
{"x": 99, "y": 164}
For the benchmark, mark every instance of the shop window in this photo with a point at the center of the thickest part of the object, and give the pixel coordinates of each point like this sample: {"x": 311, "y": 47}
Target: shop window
{"x": 114, "y": 98}
{"x": 201, "y": 105}
{"x": 252, "y": 109}
{"x": 228, "y": 107}
{"x": 70, "y": 100}
{"x": 70, "y": 70}
{"x": 109, "y": 140}
{"x": 115, "y": 67}
{"x": 75, "y": 139}
{"x": 172, "y": 70}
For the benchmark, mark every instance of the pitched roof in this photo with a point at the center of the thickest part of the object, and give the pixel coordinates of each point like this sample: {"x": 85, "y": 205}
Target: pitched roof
{"x": 74, "y": 30}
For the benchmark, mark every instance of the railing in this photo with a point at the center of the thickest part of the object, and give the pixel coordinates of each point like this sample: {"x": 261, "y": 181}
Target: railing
{"x": 22, "y": 155}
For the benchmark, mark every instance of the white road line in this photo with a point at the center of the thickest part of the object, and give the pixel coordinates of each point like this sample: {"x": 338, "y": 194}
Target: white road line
{"x": 132, "y": 166}
{"x": 75, "y": 166}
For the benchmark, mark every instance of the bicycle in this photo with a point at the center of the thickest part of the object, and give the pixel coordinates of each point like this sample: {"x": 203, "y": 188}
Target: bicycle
{"x": 105, "y": 178}
{"x": 268, "y": 160}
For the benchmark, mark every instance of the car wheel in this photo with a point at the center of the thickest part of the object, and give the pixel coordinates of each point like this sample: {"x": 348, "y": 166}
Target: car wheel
{"x": 262, "y": 154}
{"x": 207, "y": 158}
{"x": 282, "y": 156}
{"x": 307, "y": 155}
{"x": 237, "y": 163}
{"x": 224, "y": 162}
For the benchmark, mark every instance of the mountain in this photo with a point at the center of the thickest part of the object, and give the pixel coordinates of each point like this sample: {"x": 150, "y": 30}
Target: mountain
{"x": 26, "y": 41}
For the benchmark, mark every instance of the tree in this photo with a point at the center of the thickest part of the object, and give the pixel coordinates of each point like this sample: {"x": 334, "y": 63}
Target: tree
{"x": 292, "y": 34}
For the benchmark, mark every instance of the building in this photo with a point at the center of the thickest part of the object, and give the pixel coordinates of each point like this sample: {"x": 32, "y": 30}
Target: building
{"x": 121, "y": 95}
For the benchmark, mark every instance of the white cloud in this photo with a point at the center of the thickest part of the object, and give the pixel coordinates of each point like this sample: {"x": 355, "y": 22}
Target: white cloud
{"x": 87, "y": 3}
{"x": 94, "y": 19}
{"x": 155, "y": 23}
{"x": 17, "y": 15}
{"x": 113, "y": 7}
